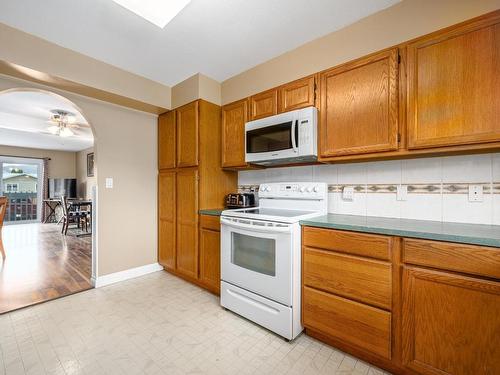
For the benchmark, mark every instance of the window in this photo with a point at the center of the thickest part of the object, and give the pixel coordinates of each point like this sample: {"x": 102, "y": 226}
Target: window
{"x": 12, "y": 188}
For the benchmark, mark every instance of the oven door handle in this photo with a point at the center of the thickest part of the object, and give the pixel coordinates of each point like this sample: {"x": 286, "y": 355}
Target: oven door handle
{"x": 255, "y": 228}
{"x": 295, "y": 124}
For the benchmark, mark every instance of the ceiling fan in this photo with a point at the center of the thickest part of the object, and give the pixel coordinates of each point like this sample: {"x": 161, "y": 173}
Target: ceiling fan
{"x": 63, "y": 123}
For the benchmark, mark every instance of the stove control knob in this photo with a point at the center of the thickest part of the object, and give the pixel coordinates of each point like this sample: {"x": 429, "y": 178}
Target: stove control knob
{"x": 316, "y": 188}
{"x": 309, "y": 189}
{"x": 302, "y": 189}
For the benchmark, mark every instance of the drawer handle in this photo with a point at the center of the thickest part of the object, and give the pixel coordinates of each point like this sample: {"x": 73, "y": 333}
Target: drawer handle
{"x": 254, "y": 302}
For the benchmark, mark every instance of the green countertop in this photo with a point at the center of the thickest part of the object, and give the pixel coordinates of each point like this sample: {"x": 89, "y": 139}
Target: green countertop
{"x": 476, "y": 234}
{"x": 211, "y": 212}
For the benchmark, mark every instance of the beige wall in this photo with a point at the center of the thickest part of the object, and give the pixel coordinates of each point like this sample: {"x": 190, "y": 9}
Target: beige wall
{"x": 61, "y": 165}
{"x": 85, "y": 184}
{"x": 30, "y": 51}
{"x": 401, "y": 22}
{"x": 196, "y": 87}
{"x": 125, "y": 149}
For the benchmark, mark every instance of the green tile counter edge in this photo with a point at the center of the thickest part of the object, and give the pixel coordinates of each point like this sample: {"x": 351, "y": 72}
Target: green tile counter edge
{"x": 474, "y": 234}
{"x": 211, "y": 212}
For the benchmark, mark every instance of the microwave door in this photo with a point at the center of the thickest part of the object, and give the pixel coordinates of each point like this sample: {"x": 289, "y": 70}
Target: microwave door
{"x": 272, "y": 141}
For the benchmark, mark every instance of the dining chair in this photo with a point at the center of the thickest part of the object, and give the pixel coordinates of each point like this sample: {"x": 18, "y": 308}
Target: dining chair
{"x": 3, "y": 209}
{"x": 71, "y": 217}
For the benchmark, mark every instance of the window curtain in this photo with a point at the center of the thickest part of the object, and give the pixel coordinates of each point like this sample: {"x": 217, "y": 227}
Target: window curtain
{"x": 45, "y": 186}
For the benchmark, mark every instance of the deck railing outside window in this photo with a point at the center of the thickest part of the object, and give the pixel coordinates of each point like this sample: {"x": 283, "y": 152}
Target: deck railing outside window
{"x": 21, "y": 206}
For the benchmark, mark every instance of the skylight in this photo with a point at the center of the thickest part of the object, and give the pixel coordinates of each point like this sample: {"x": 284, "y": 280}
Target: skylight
{"x": 158, "y": 12}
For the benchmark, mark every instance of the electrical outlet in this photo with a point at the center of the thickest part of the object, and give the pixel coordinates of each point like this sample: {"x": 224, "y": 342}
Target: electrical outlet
{"x": 475, "y": 193}
{"x": 109, "y": 183}
{"x": 402, "y": 193}
{"x": 348, "y": 193}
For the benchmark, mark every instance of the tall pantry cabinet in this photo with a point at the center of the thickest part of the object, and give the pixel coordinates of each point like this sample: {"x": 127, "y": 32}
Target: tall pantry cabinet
{"x": 190, "y": 178}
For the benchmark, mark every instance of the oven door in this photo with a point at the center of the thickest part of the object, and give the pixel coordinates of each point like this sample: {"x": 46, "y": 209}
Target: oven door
{"x": 257, "y": 256}
{"x": 271, "y": 140}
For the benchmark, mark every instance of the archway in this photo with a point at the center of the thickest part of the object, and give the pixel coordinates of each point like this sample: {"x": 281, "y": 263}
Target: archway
{"x": 46, "y": 153}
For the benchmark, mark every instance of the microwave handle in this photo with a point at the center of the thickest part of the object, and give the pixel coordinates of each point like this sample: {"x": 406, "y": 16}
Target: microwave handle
{"x": 256, "y": 228}
{"x": 295, "y": 125}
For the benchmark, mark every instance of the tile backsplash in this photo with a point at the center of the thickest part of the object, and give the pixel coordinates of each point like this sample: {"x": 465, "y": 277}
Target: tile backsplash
{"x": 438, "y": 188}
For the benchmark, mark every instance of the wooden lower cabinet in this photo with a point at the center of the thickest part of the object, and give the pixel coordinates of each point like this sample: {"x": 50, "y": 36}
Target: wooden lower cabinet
{"x": 364, "y": 280}
{"x": 210, "y": 252}
{"x": 451, "y": 323}
{"x": 355, "y": 323}
{"x": 433, "y": 308}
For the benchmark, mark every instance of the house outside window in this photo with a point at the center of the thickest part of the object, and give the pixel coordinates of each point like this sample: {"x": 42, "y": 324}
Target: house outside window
{"x": 12, "y": 188}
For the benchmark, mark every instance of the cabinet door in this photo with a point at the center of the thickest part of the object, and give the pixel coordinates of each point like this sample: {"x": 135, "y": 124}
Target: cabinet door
{"x": 454, "y": 87}
{"x": 234, "y": 117}
{"x": 210, "y": 253}
{"x": 359, "y": 106}
{"x": 166, "y": 140}
{"x": 451, "y": 323}
{"x": 166, "y": 219}
{"x": 187, "y": 135}
{"x": 297, "y": 94}
{"x": 264, "y": 104}
{"x": 187, "y": 222}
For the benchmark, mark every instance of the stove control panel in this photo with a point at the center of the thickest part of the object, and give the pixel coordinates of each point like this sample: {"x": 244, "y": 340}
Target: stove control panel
{"x": 298, "y": 190}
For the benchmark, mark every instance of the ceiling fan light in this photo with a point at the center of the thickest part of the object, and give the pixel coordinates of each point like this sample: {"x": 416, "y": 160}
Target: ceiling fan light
{"x": 65, "y": 132}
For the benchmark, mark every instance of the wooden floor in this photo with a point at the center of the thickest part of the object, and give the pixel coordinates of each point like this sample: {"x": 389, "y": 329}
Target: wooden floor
{"x": 42, "y": 264}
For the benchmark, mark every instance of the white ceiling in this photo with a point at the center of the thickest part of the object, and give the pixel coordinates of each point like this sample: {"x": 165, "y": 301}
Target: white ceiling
{"x": 23, "y": 122}
{"x": 219, "y": 38}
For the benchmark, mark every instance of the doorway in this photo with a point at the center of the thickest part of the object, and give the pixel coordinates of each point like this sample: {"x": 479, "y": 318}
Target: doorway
{"x": 48, "y": 175}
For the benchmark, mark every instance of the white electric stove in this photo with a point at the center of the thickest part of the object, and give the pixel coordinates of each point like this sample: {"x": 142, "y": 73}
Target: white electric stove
{"x": 261, "y": 254}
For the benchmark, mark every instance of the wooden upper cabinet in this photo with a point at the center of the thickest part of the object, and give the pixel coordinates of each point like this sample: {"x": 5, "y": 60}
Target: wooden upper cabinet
{"x": 264, "y": 104}
{"x": 454, "y": 86}
{"x": 166, "y": 140}
{"x": 451, "y": 323}
{"x": 166, "y": 219}
{"x": 187, "y": 135}
{"x": 234, "y": 117}
{"x": 187, "y": 223}
{"x": 297, "y": 94}
{"x": 359, "y": 106}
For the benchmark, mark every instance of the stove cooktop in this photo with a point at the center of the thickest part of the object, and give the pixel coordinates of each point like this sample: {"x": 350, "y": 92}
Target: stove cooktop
{"x": 275, "y": 212}
{"x": 271, "y": 214}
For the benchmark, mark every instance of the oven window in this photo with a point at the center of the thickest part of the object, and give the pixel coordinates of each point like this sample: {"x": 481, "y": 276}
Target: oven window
{"x": 254, "y": 253}
{"x": 271, "y": 138}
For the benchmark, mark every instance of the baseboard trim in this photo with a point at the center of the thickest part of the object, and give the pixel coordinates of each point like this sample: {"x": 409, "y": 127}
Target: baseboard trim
{"x": 131, "y": 273}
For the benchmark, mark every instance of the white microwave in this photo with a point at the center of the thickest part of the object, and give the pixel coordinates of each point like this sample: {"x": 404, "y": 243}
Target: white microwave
{"x": 285, "y": 138}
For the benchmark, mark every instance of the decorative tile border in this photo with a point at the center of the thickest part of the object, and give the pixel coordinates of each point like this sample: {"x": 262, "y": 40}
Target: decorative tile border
{"x": 448, "y": 188}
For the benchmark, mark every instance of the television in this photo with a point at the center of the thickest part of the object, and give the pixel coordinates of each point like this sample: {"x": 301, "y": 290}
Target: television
{"x": 59, "y": 187}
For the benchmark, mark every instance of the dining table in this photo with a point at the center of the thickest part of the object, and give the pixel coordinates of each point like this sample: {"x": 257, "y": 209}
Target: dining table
{"x": 76, "y": 205}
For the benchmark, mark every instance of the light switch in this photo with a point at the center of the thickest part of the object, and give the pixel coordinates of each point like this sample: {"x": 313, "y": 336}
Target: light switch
{"x": 402, "y": 193}
{"x": 348, "y": 193}
{"x": 109, "y": 183}
{"x": 475, "y": 193}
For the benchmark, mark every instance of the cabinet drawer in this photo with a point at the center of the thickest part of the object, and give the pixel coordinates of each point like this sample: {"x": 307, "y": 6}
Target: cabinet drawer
{"x": 210, "y": 222}
{"x": 366, "y": 327}
{"x": 369, "y": 245}
{"x": 364, "y": 280}
{"x": 476, "y": 260}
